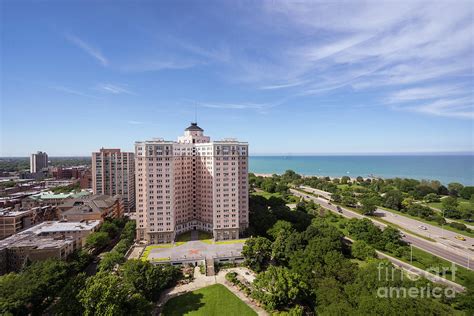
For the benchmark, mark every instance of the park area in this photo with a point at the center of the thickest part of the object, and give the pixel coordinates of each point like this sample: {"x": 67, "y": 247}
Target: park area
{"x": 212, "y": 300}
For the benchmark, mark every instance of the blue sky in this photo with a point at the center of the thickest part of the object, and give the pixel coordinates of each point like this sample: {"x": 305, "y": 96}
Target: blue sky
{"x": 299, "y": 77}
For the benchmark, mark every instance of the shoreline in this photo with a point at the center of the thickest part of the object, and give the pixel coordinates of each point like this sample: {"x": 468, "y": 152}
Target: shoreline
{"x": 269, "y": 175}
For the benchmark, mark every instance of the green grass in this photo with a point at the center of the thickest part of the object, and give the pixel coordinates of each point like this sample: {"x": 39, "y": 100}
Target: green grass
{"x": 148, "y": 249}
{"x": 160, "y": 259}
{"x": 462, "y": 203}
{"x": 425, "y": 260}
{"x": 346, "y": 186}
{"x": 232, "y": 241}
{"x": 268, "y": 195}
{"x": 214, "y": 300}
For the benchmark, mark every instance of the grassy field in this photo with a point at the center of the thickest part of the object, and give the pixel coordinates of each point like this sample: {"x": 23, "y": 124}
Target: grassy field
{"x": 209, "y": 301}
{"x": 267, "y": 195}
{"x": 462, "y": 203}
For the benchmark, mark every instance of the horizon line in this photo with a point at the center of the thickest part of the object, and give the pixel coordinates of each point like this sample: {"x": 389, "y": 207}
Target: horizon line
{"x": 419, "y": 153}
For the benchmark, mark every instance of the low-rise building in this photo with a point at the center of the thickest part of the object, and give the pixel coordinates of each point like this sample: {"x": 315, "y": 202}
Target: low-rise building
{"x": 66, "y": 229}
{"x": 93, "y": 207}
{"x": 50, "y": 198}
{"x": 52, "y": 239}
{"x": 13, "y": 220}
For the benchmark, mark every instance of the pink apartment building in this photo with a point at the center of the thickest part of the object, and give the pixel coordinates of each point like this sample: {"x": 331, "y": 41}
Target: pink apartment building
{"x": 191, "y": 184}
{"x": 113, "y": 174}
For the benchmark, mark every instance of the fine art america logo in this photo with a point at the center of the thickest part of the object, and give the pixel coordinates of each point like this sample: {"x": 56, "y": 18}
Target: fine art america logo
{"x": 393, "y": 278}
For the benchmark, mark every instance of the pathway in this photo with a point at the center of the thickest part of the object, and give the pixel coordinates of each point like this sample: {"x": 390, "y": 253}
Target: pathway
{"x": 200, "y": 281}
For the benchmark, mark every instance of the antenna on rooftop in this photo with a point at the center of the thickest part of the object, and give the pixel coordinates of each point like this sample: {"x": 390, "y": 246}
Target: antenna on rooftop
{"x": 195, "y": 113}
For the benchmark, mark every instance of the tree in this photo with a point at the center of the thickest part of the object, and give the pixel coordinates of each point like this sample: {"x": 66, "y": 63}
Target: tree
{"x": 107, "y": 294}
{"x": 280, "y": 227}
{"x": 148, "y": 279}
{"x": 110, "y": 228}
{"x": 110, "y": 260}
{"x": 336, "y": 197}
{"x": 449, "y": 203}
{"x": 393, "y": 199}
{"x": 257, "y": 252}
{"x": 455, "y": 188}
{"x": 97, "y": 240}
{"x": 431, "y": 198}
{"x": 32, "y": 290}
{"x": 361, "y": 250}
{"x": 349, "y": 200}
{"x": 369, "y": 206}
{"x": 467, "y": 192}
{"x": 68, "y": 303}
{"x": 442, "y": 190}
{"x": 277, "y": 287}
{"x": 345, "y": 179}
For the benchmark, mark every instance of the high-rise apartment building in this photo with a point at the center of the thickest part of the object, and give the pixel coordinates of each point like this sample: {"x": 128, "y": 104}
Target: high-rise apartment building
{"x": 113, "y": 173}
{"x": 191, "y": 184}
{"x": 38, "y": 162}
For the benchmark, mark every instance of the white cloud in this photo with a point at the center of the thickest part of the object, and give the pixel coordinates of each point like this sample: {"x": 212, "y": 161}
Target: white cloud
{"x": 113, "y": 88}
{"x": 92, "y": 51}
{"x": 135, "y": 122}
{"x": 410, "y": 49}
{"x": 72, "y": 91}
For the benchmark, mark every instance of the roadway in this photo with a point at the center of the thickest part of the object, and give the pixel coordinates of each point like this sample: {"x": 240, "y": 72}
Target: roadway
{"x": 442, "y": 236}
{"x": 441, "y": 250}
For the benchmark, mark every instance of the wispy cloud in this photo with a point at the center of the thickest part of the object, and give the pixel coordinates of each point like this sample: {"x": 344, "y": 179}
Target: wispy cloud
{"x": 159, "y": 65}
{"x": 135, "y": 122}
{"x": 72, "y": 91}
{"x": 236, "y": 106}
{"x": 89, "y": 49}
{"x": 406, "y": 51}
{"x": 457, "y": 108}
{"x": 113, "y": 88}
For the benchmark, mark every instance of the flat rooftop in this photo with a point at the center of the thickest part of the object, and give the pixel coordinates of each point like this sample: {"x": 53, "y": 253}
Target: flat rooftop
{"x": 61, "y": 226}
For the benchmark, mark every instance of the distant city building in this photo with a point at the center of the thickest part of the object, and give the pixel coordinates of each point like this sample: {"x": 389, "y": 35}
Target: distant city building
{"x": 93, "y": 207}
{"x": 47, "y": 240}
{"x": 113, "y": 173}
{"x": 194, "y": 183}
{"x": 85, "y": 180}
{"x": 38, "y": 162}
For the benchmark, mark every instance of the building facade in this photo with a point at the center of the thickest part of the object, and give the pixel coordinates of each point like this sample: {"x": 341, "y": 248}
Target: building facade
{"x": 91, "y": 208}
{"x": 38, "y": 162}
{"x": 113, "y": 173}
{"x": 191, "y": 184}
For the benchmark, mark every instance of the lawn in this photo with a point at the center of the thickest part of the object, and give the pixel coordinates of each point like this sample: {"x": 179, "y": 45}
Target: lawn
{"x": 267, "y": 195}
{"x": 212, "y": 300}
{"x": 462, "y": 203}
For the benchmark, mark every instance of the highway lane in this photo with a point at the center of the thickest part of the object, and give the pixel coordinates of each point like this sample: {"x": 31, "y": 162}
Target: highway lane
{"x": 443, "y": 236}
{"x": 437, "y": 249}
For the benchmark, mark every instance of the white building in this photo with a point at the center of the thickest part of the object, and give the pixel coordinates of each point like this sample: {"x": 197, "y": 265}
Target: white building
{"x": 38, "y": 162}
{"x": 191, "y": 184}
{"x": 113, "y": 173}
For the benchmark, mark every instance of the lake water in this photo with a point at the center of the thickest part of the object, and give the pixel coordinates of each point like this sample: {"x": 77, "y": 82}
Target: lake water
{"x": 445, "y": 168}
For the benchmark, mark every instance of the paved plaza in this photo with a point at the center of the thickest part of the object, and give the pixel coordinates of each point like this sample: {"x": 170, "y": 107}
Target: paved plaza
{"x": 196, "y": 249}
